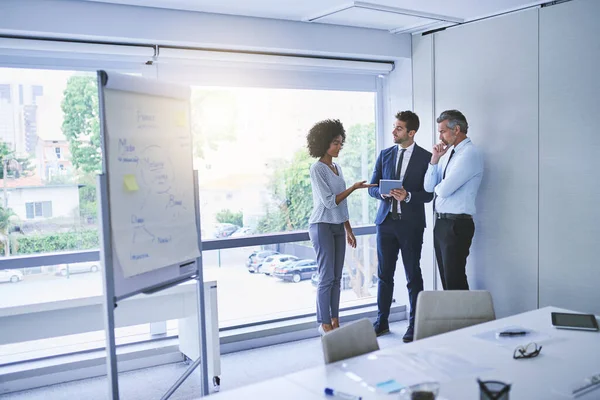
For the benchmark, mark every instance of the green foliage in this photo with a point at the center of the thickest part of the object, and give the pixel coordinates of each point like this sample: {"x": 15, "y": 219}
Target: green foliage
{"x": 60, "y": 241}
{"x": 298, "y": 192}
{"x": 357, "y": 161}
{"x": 291, "y": 191}
{"x": 81, "y": 125}
{"x": 230, "y": 217}
{"x": 88, "y": 206}
{"x": 61, "y": 179}
{"x": 16, "y": 167}
{"x": 291, "y": 188}
{"x": 5, "y": 214}
{"x": 273, "y": 221}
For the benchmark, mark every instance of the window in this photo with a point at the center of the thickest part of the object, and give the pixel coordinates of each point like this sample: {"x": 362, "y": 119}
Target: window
{"x": 250, "y": 150}
{"x": 265, "y": 129}
{"x": 5, "y": 93}
{"x": 29, "y": 210}
{"x": 52, "y": 200}
{"x": 258, "y": 284}
{"x": 73, "y": 287}
{"x": 47, "y": 209}
{"x": 36, "y": 91}
{"x": 39, "y": 209}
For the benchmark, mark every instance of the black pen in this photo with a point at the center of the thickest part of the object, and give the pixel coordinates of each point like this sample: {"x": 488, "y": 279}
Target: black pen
{"x": 513, "y": 333}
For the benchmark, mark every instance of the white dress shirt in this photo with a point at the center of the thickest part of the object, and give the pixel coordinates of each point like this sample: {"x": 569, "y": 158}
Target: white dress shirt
{"x": 405, "y": 160}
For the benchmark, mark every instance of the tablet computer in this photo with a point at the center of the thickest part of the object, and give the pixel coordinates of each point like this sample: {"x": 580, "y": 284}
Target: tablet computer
{"x": 385, "y": 185}
{"x": 586, "y": 322}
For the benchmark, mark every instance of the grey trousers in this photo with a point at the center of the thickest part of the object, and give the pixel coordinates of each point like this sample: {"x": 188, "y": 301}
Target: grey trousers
{"x": 329, "y": 242}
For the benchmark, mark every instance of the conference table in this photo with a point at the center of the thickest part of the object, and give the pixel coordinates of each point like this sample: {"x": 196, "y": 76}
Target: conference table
{"x": 456, "y": 360}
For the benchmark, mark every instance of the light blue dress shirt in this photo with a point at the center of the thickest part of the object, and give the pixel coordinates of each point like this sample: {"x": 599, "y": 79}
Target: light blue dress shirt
{"x": 456, "y": 193}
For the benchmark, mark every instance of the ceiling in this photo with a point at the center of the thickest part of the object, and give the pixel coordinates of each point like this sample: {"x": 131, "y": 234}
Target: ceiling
{"x": 396, "y": 16}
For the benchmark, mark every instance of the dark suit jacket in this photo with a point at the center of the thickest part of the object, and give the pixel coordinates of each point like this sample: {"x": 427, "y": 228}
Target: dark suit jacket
{"x": 385, "y": 168}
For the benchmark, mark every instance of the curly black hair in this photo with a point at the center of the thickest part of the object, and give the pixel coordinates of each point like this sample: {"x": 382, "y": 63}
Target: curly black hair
{"x": 322, "y": 134}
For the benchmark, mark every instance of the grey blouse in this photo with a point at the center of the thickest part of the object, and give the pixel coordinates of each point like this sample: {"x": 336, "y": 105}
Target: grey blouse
{"x": 325, "y": 186}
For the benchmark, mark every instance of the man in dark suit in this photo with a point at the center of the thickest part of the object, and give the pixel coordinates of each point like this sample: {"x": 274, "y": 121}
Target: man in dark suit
{"x": 401, "y": 218}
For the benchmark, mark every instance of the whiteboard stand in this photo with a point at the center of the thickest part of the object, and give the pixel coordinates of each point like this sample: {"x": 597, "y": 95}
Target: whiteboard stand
{"x": 110, "y": 301}
{"x": 203, "y": 358}
{"x": 109, "y": 290}
{"x": 118, "y": 286}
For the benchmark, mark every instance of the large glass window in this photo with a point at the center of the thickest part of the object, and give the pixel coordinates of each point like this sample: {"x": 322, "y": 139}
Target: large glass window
{"x": 250, "y": 148}
{"x": 278, "y": 281}
{"x": 250, "y": 151}
{"x": 49, "y": 157}
{"x": 49, "y": 153}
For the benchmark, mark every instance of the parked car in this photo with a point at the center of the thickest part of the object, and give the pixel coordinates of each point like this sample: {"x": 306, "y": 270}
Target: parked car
{"x": 256, "y": 258}
{"x": 346, "y": 280}
{"x": 272, "y": 262}
{"x": 224, "y": 230}
{"x": 77, "y": 268}
{"x": 243, "y": 231}
{"x": 11, "y": 275}
{"x": 296, "y": 271}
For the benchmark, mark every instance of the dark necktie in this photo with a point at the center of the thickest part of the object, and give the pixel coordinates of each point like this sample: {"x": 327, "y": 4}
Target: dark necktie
{"x": 448, "y": 163}
{"x": 443, "y": 176}
{"x": 398, "y": 172}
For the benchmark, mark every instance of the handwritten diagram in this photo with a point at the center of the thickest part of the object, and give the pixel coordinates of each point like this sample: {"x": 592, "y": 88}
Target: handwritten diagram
{"x": 150, "y": 174}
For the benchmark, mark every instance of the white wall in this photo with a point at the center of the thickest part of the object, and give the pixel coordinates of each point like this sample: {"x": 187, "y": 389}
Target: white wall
{"x": 488, "y": 71}
{"x": 569, "y": 148}
{"x": 527, "y": 83}
{"x": 64, "y": 198}
{"x": 422, "y": 67}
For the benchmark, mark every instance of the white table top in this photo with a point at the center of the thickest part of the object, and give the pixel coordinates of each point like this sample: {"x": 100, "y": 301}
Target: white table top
{"x": 455, "y": 359}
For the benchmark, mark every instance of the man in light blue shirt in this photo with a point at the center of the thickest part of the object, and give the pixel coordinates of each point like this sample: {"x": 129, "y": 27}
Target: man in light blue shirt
{"x": 454, "y": 175}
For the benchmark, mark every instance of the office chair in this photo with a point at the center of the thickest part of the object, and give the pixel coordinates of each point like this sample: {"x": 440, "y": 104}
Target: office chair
{"x": 448, "y": 310}
{"x": 350, "y": 340}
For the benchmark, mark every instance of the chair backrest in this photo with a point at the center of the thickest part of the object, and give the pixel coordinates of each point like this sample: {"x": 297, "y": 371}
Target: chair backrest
{"x": 350, "y": 340}
{"x": 447, "y": 310}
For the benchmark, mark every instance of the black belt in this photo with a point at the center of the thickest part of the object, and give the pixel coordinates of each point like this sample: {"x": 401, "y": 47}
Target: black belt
{"x": 452, "y": 216}
{"x": 390, "y": 215}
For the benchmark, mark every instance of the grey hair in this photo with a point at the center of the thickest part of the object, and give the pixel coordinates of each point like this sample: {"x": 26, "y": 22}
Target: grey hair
{"x": 454, "y": 117}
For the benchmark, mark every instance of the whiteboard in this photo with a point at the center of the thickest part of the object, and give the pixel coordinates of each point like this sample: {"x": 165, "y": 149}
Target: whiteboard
{"x": 152, "y": 207}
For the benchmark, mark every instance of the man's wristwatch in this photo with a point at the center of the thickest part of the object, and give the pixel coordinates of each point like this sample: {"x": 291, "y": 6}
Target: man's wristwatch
{"x": 407, "y": 199}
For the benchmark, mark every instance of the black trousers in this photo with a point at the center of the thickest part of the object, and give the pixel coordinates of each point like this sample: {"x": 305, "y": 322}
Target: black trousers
{"x": 394, "y": 236}
{"x": 452, "y": 239}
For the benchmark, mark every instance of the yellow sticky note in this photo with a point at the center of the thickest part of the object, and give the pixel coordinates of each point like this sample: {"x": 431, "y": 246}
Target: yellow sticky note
{"x": 180, "y": 119}
{"x": 130, "y": 183}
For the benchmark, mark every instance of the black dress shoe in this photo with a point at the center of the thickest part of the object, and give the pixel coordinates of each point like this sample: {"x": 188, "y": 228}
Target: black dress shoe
{"x": 408, "y": 336}
{"x": 381, "y": 328}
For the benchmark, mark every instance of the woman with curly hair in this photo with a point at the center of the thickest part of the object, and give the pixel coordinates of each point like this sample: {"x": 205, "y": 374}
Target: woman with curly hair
{"x": 329, "y": 218}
